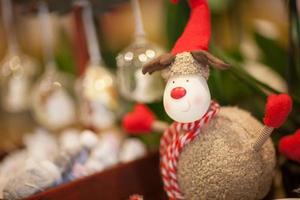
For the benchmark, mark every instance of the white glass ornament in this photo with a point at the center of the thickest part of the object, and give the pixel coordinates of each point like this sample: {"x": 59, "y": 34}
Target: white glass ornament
{"x": 88, "y": 139}
{"x": 69, "y": 140}
{"x": 96, "y": 88}
{"x": 18, "y": 71}
{"x": 107, "y": 150}
{"x": 12, "y": 164}
{"x": 41, "y": 145}
{"x": 98, "y": 98}
{"x": 134, "y": 85}
{"x": 186, "y": 98}
{"x": 132, "y": 149}
{"x": 17, "y": 75}
{"x": 93, "y": 165}
{"x": 52, "y": 106}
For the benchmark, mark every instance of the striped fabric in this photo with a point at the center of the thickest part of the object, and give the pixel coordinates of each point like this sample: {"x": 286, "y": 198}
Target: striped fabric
{"x": 172, "y": 143}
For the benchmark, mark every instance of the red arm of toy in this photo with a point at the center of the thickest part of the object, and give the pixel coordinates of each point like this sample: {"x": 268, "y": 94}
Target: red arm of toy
{"x": 278, "y": 108}
{"x": 142, "y": 120}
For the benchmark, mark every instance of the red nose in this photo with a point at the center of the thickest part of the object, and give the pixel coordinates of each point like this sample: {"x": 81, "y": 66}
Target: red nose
{"x": 178, "y": 92}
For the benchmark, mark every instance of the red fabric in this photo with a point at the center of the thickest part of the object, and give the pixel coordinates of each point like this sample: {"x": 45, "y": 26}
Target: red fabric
{"x": 278, "y": 108}
{"x": 197, "y": 32}
{"x": 289, "y": 146}
{"x": 138, "y": 121}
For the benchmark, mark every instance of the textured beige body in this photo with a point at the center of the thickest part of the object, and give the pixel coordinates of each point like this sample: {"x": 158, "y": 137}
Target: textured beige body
{"x": 220, "y": 163}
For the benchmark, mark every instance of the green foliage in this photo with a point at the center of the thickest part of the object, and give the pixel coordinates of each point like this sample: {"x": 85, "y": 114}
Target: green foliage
{"x": 64, "y": 55}
{"x": 177, "y": 16}
{"x": 273, "y": 55}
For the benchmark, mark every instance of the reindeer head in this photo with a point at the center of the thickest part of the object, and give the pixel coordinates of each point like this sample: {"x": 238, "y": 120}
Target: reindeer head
{"x": 186, "y": 96}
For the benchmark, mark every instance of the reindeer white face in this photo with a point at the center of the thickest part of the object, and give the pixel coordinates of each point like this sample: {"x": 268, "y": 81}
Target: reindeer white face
{"x": 186, "y": 98}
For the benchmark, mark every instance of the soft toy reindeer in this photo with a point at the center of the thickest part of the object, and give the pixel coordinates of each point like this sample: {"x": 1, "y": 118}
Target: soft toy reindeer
{"x": 209, "y": 152}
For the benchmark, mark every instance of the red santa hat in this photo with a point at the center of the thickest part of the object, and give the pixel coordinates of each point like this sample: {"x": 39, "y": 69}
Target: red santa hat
{"x": 196, "y": 35}
{"x": 189, "y": 55}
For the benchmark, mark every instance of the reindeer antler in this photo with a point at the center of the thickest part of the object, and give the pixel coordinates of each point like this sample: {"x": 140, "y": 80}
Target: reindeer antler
{"x": 158, "y": 63}
{"x": 204, "y": 57}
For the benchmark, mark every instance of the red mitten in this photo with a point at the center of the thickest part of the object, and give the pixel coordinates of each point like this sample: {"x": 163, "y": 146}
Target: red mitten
{"x": 278, "y": 108}
{"x": 138, "y": 121}
{"x": 289, "y": 146}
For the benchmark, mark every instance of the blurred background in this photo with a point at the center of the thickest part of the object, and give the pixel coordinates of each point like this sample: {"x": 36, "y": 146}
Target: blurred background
{"x": 260, "y": 39}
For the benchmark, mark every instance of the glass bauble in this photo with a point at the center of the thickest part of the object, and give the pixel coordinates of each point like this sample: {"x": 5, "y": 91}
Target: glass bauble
{"x": 53, "y": 106}
{"x": 132, "y": 83}
{"x": 98, "y": 98}
{"x": 17, "y": 75}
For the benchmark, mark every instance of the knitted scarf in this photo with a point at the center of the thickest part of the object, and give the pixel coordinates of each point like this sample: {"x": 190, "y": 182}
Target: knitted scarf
{"x": 172, "y": 143}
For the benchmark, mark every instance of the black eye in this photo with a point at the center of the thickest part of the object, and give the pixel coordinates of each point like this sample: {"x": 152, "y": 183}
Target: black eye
{"x": 187, "y": 80}
{"x": 173, "y": 81}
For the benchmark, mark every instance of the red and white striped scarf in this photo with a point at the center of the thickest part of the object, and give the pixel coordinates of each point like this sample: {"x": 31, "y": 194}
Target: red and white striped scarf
{"x": 171, "y": 145}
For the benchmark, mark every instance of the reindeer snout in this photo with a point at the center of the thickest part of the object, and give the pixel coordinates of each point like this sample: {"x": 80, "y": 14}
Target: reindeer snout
{"x": 178, "y": 92}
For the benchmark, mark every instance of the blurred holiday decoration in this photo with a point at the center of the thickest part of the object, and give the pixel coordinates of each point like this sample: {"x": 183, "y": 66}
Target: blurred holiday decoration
{"x": 52, "y": 106}
{"x": 47, "y": 161}
{"x": 258, "y": 70}
{"x": 40, "y": 174}
{"x": 133, "y": 85}
{"x": 96, "y": 87}
{"x": 132, "y": 149}
{"x": 18, "y": 71}
{"x": 39, "y": 145}
{"x": 289, "y": 147}
{"x": 226, "y": 144}
{"x": 10, "y": 166}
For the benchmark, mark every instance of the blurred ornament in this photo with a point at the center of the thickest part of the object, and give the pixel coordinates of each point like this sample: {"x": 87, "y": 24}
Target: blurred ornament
{"x": 267, "y": 29}
{"x": 132, "y": 83}
{"x": 53, "y": 107}
{"x": 88, "y": 140}
{"x": 98, "y": 98}
{"x": 68, "y": 140}
{"x": 96, "y": 87}
{"x": 41, "y": 145}
{"x": 132, "y": 149}
{"x": 33, "y": 179}
{"x": 93, "y": 165}
{"x": 11, "y": 165}
{"x": 259, "y": 71}
{"x": 18, "y": 71}
{"x": 105, "y": 153}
